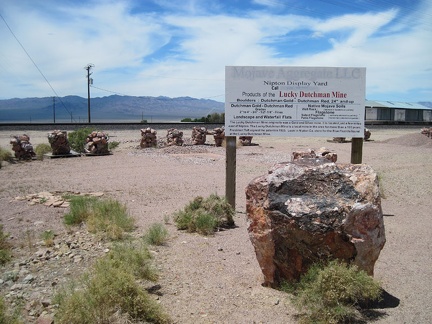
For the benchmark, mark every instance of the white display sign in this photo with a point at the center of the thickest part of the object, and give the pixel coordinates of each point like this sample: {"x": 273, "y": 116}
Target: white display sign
{"x": 294, "y": 101}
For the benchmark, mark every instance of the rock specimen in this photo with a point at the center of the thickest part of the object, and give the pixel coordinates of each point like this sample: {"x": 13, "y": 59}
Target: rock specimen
{"x": 245, "y": 140}
{"x": 322, "y": 153}
{"x": 339, "y": 139}
{"x": 427, "y": 131}
{"x": 59, "y": 142}
{"x": 306, "y": 211}
{"x": 96, "y": 143}
{"x": 22, "y": 147}
{"x": 199, "y": 135}
{"x": 148, "y": 138}
{"x": 367, "y": 134}
{"x": 174, "y": 137}
{"x": 219, "y": 135}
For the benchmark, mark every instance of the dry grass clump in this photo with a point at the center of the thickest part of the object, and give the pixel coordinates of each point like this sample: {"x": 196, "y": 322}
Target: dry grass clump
{"x": 41, "y": 150}
{"x": 110, "y": 292}
{"x": 5, "y": 247}
{"x": 157, "y": 234}
{"x": 108, "y": 218}
{"x": 332, "y": 293}
{"x": 5, "y": 155}
{"x": 205, "y": 216}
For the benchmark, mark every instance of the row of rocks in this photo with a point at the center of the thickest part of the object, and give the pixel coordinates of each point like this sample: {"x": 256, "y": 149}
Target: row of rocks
{"x": 366, "y": 137}
{"x": 174, "y": 137}
{"x": 312, "y": 154}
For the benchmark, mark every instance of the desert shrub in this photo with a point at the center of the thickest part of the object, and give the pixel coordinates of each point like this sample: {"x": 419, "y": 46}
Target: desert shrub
{"x": 5, "y": 155}
{"x": 77, "y": 139}
{"x": 157, "y": 234}
{"x": 7, "y": 317}
{"x": 205, "y": 215}
{"x": 5, "y": 247}
{"x": 113, "y": 145}
{"x": 331, "y": 293}
{"x": 110, "y": 288}
{"x": 42, "y": 149}
{"x": 107, "y": 217}
{"x": 80, "y": 209}
{"x": 48, "y": 237}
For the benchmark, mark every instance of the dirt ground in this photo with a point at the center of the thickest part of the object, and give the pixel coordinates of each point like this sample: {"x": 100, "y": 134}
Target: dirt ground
{"x": 217, "y": 279}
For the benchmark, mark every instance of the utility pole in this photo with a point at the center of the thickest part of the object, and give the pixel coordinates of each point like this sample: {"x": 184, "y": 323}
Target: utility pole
{"x": 89, "y": 81}
{"x": 54, "y": 109}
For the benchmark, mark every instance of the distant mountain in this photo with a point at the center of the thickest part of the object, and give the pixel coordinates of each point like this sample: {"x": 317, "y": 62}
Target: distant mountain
{"x": 111, "y": 108}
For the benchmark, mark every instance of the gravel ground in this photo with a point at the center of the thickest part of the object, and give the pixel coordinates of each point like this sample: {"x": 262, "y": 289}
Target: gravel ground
{"x": 214, "y": 279}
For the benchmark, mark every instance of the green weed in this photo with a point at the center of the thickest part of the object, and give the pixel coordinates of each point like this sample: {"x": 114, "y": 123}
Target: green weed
{"x": 111, "y": 288}
{"x": 7, "y": 317}
{"x": 331, "y": 293}
{"x": 205, "y": 215}
{"x": 157, "y": 234}
{"x": 77, "y": 139}
{"x": 5, "y": 155}
{"x": 5, "y": 247}
{"x": 48, "y": 238}
{"x": 107, "y": 217}
{"x": 41, "y": 150}
{"x": 113, "y": 145}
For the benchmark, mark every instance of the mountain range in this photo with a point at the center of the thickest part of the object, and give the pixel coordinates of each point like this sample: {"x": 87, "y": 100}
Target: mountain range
{"x": 106, "y": 109}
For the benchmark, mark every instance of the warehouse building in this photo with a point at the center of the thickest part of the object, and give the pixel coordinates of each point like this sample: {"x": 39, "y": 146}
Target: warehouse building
{"x": 392, "y": 111}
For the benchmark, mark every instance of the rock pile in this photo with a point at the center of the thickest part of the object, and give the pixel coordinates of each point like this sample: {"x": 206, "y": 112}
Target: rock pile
{"x": 199, "y": 135}
{"x": 59, "y": 142}
{"x": 311, "y": 154}
{"x": 96, "y": 143}
{"x": 148, "y": 138}
{"x": 305, "y": 212}
{"x": 219, "y": 135}
{"x": 22, "y": 147}
{"x": 427, "y": 131}
{"x": 174, "y": 137}
{"x": 245, "y": 140}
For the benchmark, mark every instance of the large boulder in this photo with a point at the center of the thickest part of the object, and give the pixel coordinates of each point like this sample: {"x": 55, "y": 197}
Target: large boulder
{"x": 309, "y": 211}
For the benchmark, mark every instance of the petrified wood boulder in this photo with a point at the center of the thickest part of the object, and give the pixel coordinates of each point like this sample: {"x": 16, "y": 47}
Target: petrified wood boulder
{"x": 23, "y": 149}
{"x": 148, "y": 138}
{"x": 245, "y": 140}
{"x": 304, "y": 212}
{"x": 59, "y": 142}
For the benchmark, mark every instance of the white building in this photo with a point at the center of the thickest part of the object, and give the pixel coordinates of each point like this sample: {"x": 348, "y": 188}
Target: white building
{"x": 392, "y": 111}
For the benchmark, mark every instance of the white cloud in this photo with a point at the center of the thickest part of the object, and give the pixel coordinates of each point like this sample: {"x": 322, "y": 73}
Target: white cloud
{"x": 106, "y": 34}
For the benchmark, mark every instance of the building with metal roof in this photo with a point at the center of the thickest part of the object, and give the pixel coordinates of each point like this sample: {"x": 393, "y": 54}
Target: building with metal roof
{"x": 394, "y": 111}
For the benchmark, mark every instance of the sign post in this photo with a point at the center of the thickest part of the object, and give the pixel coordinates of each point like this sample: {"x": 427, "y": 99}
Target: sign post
{"x": 296, "y": 102}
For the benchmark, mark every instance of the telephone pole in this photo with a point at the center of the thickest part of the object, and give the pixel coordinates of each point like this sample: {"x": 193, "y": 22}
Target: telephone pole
{"x": 89, "y": 81}
{"x": 54, "y": 109}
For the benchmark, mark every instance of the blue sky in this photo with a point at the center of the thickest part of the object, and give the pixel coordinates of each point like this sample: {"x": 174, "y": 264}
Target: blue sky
{"x": 180, "y": 48}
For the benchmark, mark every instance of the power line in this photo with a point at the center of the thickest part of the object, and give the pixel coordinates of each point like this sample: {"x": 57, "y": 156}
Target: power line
{"x": 34, "y": 63}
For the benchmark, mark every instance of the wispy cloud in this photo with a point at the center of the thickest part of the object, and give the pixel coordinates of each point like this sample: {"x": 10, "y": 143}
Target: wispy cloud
{"x": 181, "y": 49}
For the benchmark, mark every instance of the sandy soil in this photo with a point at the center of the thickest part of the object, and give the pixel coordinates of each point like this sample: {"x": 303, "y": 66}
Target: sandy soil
{"x": 217, "y": 279}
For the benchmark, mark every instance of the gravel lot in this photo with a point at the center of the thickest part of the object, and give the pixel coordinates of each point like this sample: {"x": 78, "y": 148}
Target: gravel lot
{"x": 217, "y": 279}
